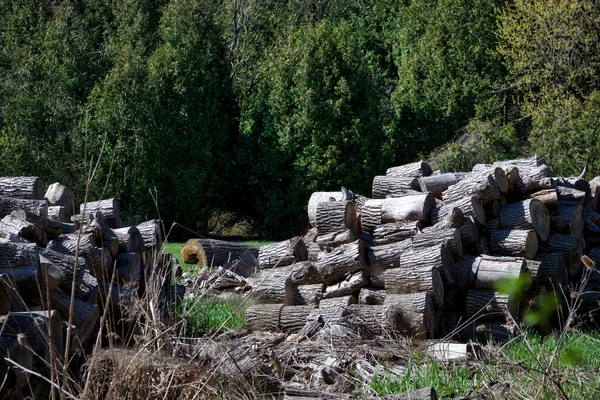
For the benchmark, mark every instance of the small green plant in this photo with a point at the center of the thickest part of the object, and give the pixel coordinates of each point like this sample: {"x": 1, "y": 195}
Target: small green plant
{"x": 201, "y": 317}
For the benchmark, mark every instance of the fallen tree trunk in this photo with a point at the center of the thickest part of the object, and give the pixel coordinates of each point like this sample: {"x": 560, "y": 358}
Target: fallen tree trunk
{"x": 211, "y": 252}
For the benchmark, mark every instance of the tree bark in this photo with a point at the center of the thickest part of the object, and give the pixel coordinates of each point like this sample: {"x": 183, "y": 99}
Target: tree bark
{"x": 395, "y": 232}
{"x": 293, "y": 318}
{"x": 436, "y": 184}
{"x": 60, "y": 195}
{"x": 335, "y": 239}
{"x": 13, "y": 225}
{"x": 275, "y": 290}
{"x": 394, "y": 186}
{"x": 86, "y": 284}
{"x": 490, "y": 305}
{"x": 338, "y": 302}
{"x": 86, "y": 316}
{"x": 527, "y": 214}
{"x": 22, "y": 187}
{"x": 341, "y": 261}
{"x": 570, "y": 248}
{"x": 414, "y": 208}
{"x": 415, "y": 280}
{"x": 10, "y": 204}
{"x": 210, "y": 252}
{"x": 263, "y": 317}
{"x": 548, "y": 197}
{"x": 130, "y": 239}
{"x": 128, "y": 267}
{"x": 152, "y": 235}
{"x": 515, "y": 242}
{"x": 448, "y": 237}
{"x": 492, "y": 224}
{"x": 388, "y": 255}
{"x": 535, "y": 178}
{"x": 349, "y": 286}
{"x": 371, "y": 214}
{"x": 469, "y": 205}
{"x": 568, "y": 219}
{"x": 319, "y": 197}
{"x": 414, "y": 170}
{"x": 18, "y": 254}
{"x": 379, "y": 320}
{"x": 492, "y": 270}
{"x": 417, "y": 314}
{"x": 465, "y": 271}
{"x": 497, "y": 173}
{"x": 552, "y": 271}
{"x": 59, "y": 213}
{"x": 34, "y": 325}
{"x": 309, "y": 295}
{"x": 301, "y": 273}
{"x": 109, "y": 208}
{"x": 436, "y": 256}
{"x": 283, "y": 253}
{"x": 525, "y": 163}
{"x": 481, "y": 185}
{"x": 372, "y": 296}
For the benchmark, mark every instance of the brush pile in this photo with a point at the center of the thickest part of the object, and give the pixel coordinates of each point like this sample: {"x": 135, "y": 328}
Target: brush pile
{"x": 59, "y": 274}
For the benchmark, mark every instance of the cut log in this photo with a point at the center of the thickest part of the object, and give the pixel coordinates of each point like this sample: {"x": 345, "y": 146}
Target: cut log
{"x": 341, "y": 261}
{"x": 334, "y": 216}
{"x": 371, "y": 214}
{"x": 547, "y": 196}
{"x": 13, "y": 225}
{"x": 293, "y": 318}
{"x": 497, "y": 173}
{"x": 45, "y": 227}
{"x": 436, "y": 184}
{"x": 591, "y": 221}
{"x": 534, "y": 179}
{"x": 313, "y": 252}
{"x": 99, "y": 229}
{"x": 484, "y": 332}
{"x": 301, "y": 273}
{"x": 468, "y": 232}
{"x": 465, "y": 271}
{"x": 59, "y": 213}
{"x": 530, "y": 162}
{"x": 491, "y": 306}
{"x": 570, "y": 248}
{"x": 480, "y": 185}
{"x": 263, "y": 317}
{"x": 10, "y": 204}
{"x": 515, "y": 242}
{"x": 109, "y": 208}
{"x": 309, "y": 295}
{"x": 415, "y": 280}
{"x": 130, "y": 239}
{"x": 19, "y": 353}
{"x": 493, "y": 224}
{"x": 338, "y": 302}
{"x": 552, "y": 271}
{"x": 414, "y": 170}
{"x": 22, "y": 187}
{"x": 394, "y": 186}
{"x": 492, "y": 270}
{"x": 335, "y": 239}
{"x": 318, "y": 197}
{"x": 448, "y": 237}
{"x": 18, "y": 254}
{"x": 35, "y": 325}
{"x": 417, "y": 314}
{"x": 128, "y": 267}
{"x": 436, "y": 256}
{"x": 396, "y": 232}
{"x": 527, "y": 214}
{"x": 152, "y": 235}
{"x": 387, "y": 255}
{"x": 492, "y": 209}
{"x": 378, "y": 320}
{"x": 469, "y": 205}
{"x": 60, "y": 196}
{"x": 372, "y": 296}
{"x": 29, "y": 282}
{"x": 377, "y": 279}
{"x": 568, "y": 219}
{"x": 86, "y": 284}
{"x": 86, "y": 316}
{"x": 414, "y": 208}
{"x": 210, "y": 252}
{"x": 349, "y": 286}
{"x": 283, "y": 253}
{"x": 274, "y": 290}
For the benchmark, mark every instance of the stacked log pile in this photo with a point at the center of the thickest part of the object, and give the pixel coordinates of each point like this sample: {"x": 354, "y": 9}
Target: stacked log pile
{"x": 43, "y": 252}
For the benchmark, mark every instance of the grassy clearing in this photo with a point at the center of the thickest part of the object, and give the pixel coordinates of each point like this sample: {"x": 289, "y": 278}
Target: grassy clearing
{"x": 204, "y": 317}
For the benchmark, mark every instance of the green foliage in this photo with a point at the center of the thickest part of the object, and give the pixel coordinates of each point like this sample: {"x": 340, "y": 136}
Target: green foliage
{"x": 200, "y": 317}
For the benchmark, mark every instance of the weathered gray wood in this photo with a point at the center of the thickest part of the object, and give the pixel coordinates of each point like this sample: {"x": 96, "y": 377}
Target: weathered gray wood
{"x": 263, "y": 317}
{"x": 377, "y": 279}
{"x": 568, "y": 219}
{"x": 282, "y": 253}
{"x": 437, "y": 256}
{"x": 570, "y": 248}
{"x": 275, "y": 290}
{"x": 387, "y": 255}
{"x": 469, "y": 205}
{"x": 492, "y": 209}
{"x": 211, "y": 252}
{"x": 319, "y": 197}
{"x": 497, "y": 173}
{"x": 492, "y": 224}
{"x": 414, "y": 208}
{"x": 417, "y": 314}
{"x": 449, "y": 237}
{"x": 342, "y": 260}
{"x": 527, "y": 214}
{"x": 396, "y": 231}
{"x": 13, "y": 225}
{"x": 338, "y": 302}
{"x": 514, "y": 242}
{"x": 335, "y": 239}
{"x": 480, "y": 185}
{"x": 394, "y": 186}
{"x": 301, "y": 273}
{"x": 371, "y": 214}
{"x": 333, "y": 216}
{"x": 60, "y": 195}
{"x": 414, "y": 170}
{"x": 465, "y": 271}
{"x": 436, "y": 184}
{"x": 10, "y": 204}
{"x": 59, "y": 213}
{"x": 535, "y": 178}
{"x": 379, "y": 320}
{"x": 492, "y": 270}
{"x": 373, "y": 296}
{"x": 349, "y": 286}
{"x": 525, "y": 163}
{"x": 490, "y": 305}
{"x": 130, "y": 239}
{"x": 313, "y": 252}
{"x": 415, "y": 280}
{"x": 68, "y": 244}
{"x": 86, "y": 284}
{"x": 22, "y": 187}
{"x": 552, "y": 271}
{"x": 293, "y": 318}
{"x": 310, "y": 295}
{"x": 152, "y": 235}
{"x": 109, "y": 208}
{"x": 18, "y": 254}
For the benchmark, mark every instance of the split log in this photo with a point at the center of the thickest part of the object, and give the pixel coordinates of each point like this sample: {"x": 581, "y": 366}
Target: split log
{"x": 293, "y": 318}
{"x": 436, "y": 256}
{"x": 31, "y": 281}
{"x": 210, "y": 252}
{"x": 378, "y": 320}
{"x": 371, "y": 214}
{"x": 335, "y": 239}
{"x": 568, "y": 219}
{"x": 490, "y": 305}
{"x": 372, "y": 296}
{"x": 310, "y": 295}
{"x": 480, "y": 185}
{"x": 414, "y": 208}
{"x": 341, "y": 261}
{"x": 35, "y": 325}
{"x": 318, "y": 197}
{"x": 263, "y": 317}
{"x": 59, "y": 213}
{"x": 10, "y": 204}
{"x": 415, "y": 170}
{"x": 130, "y": 239}
{"x": 570, "y": 248}
{"x": 60, "y": 196}
{"x": 13, "y": 225}
{"x": 349, "y": 286}
{"x": 272, "y": 291}
{"x": 436, "y": 184}
{"x": 492, "y": 270}
{"x": 448, "y": 237}
{"x": 527, "y": 214}
{"x": 109, "y": 208}
{"x": 283, "y": 253}
{"x": 301, "y": 273}
{"x": 394, "y": 186}
{"x": 86, "y": 316}
{"x": 469, "y": 205}
{"x": 127, "y": 267}
{"x": 417, "y": 314}
{"x": 99, "y": 229}
{"x": 396, "y": 232}
{"x": 18, "y": 254}
{"x": 552, "y": 271}
{"x": 22, "y": 187}
{"x": 415, "y": 280}
{"x": 86, "y": 284}
{"x": 387, "y": 255}
{"x": 45, "y": 227}
{"x": 515, "y": 242}
{"x": 497, "y": 173}
{"x": 465, "y": 271}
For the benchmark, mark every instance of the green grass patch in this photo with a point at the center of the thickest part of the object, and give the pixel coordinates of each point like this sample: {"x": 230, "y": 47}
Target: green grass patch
{"x": 202, "y": 317}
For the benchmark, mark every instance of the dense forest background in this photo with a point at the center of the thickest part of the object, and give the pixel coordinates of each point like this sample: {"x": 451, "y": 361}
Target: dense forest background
{"x": 237, "y": 109}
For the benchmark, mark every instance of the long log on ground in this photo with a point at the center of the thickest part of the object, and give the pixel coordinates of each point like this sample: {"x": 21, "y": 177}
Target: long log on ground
{"x": 527, "y": 214}
{"x": 34, "y": 325}
{"x": 372, "y": 296}
{"x": 414, "y": 170}
{"x": 274, "y": 290}
{"x": 497, "y": 173}
{"x": 293, "y": 318}
{"x": 469, "y": 205}
{"x": 22, "y": 187}
{"x": 349, "y": 286}
{"x": 60, "y": 195}
{"x": 379, "y": 320}
{"x": 437, "y": 256}
{"x": 318, "y": 197}
{"x": 263, "y": 317}
{"x": 436, "y": 184}
{"x": 393, "y": 186}
{"x": 86, "y": 316}
{"x": 109, "y": 208}
{"x": 515, "y": 242}
{"x": 551, "y": 272}
{"x": 309, "y": 295}
{"x": 301, "y": 273}
{"x": 484, "y": 331}
{"x": 18, "y": 254}
{"x": 130, "y": 239}
{"x": 282, "y": 253}
{"x": 465, "y": 271}
{"x": 211, "y": 252}
{"x": 570, "y": 248}
{"x": 396, "y": 231}
{"x": 417, "y": 314}
{"x": 414, "y": 208}
{"x": 449, "y": 237}
{"x": 371, "y": 214}
{"x": 490, "y": 305}
{"x": 387, "y": 255}
{"x": 86, "y": 284}
{"x": 480, "y": 185}
{"x": 335, "y": 239}
{"x": 568, "y": 219}
{"x": 415, "y": 280}
{"x": 341, "y": 261}
{"x": 10, "y": 204}
{"x": 492, "y": 270}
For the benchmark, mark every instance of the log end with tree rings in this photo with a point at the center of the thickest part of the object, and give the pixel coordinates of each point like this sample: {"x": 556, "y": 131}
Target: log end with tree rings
{"x": 318, "y": 197}
{"x": 540, "y": 218}
{"x": 501, "y": 180}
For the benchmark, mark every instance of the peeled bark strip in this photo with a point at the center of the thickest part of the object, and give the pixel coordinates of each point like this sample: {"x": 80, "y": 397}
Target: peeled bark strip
{"x": 130, "y": 239}
{"x": 568, "y": 219}
{"x": 10, "y": 204}
{"x": 393, "y": 186}
{"x": 18, "y": 254}
{"x": 396, "y": 231}
{"x": 335, "y": 239}
{"x": 293, "y": 318}
{"x": 109, "y": 208}
{"x": 490, "y": 305}
{"x": 387, "y": 255}
{"x": 210, "y": 252}
{"x": 469, "y": 205}
{"x": 552, "y": 272}
{"x": 436, "y": 184}
{"x": 379, "y": 320}
{"x": 516, "y": 242}
{"x": 272, "y": 291}
{"x": 570, "y": 248}
{"x": 414, "y": 170}
{"x": 465, "y": 271}
{"x": 436, "y": 256}
{"x": 497, "y": 173}
{"x": 417, "y": 314}
{"x": 414, "y": 208}
{"x": 310, "y": 295}
{"x": 349, "y": 286}
{"x": 371, "y": 214}
{"x": 415, "y": 280}
{"x": 263, "y": 317}
{"x": 527, "y": 214}
{"x": 22, "y": 187}
{"x": 449, "y": 237}
{"x": 301, "y": 273}
{"x": 492, "y": 270}
{"x": 283, "y": 253}
{"x": 60, "y": 195}
{"x": 371, "y": 296}
{"x": 484, "y": 331}
{"x": 341, "y": 261}
{"x": 480, "y": 185}
{"x": 318, "y": 197}
{"x": 86, "y": 284}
